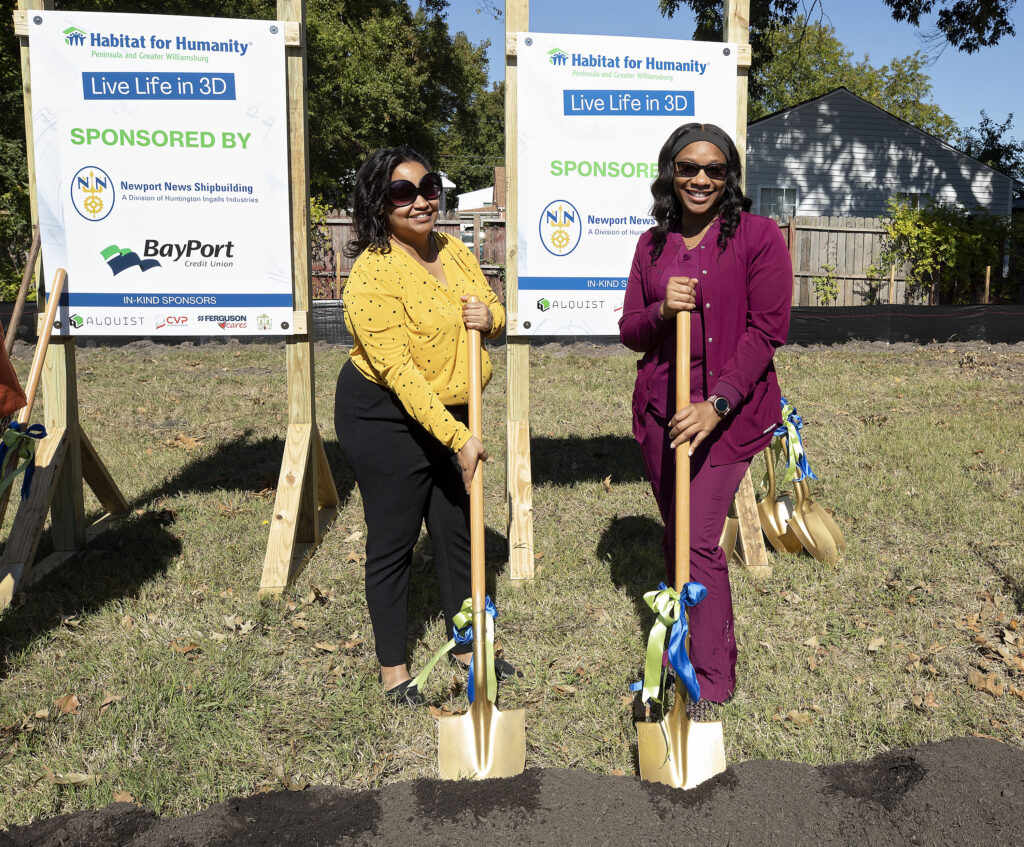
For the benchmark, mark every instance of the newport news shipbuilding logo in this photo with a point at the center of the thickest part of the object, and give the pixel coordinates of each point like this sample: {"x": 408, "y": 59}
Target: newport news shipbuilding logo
{"x": 93, "y": 193}
{"x": 560, "y": 227}
{"x": 118, "y": 259}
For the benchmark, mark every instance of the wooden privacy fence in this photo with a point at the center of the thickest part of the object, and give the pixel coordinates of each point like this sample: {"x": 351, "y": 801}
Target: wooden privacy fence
{"x": 849, "y": 246}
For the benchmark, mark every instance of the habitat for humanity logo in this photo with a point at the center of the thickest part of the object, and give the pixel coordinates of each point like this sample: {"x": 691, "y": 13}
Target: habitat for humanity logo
{"x": 92, "y": 193}
{"x": 560, "y": 227}
{"x": 120, "y": 260}
{"x": 74, "y": 37}
{"x": 558, "y": 57}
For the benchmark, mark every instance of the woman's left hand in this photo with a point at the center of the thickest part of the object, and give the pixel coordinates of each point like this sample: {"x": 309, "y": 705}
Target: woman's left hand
{"x": 693, "y": 423}
{"x": 476, "y": 315}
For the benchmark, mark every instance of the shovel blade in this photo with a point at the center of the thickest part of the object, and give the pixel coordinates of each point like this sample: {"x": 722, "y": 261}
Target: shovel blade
{"x": 679, "y": 752}
{"x": 482, "y": 744}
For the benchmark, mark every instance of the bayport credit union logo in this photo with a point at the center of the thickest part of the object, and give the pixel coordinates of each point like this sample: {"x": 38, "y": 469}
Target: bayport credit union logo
{"x": 92, "y": 193}
{"x": 560, "y": 227}
{"x": 119, "y": 259}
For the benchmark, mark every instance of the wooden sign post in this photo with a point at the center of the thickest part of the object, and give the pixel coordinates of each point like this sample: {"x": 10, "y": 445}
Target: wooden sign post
{"x": 307, "y": 499}
{"x": 519, "y": 488}
{"x": 66, "y": 457}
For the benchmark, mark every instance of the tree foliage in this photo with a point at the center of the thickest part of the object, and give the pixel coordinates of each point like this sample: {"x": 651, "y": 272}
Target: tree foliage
{"x": 379, "y": 73}
{"x": 966, "y": 26}
{"x": 946, "y": 250}
{"x": 475, "y": 141}
{"x": 808, "y": 60}
{"x": 991, "y": 143}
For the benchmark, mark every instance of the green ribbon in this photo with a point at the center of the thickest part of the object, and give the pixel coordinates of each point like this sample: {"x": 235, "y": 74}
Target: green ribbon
{"x": 462, "y": 623}
{"x": 666, "y": 605}
{"x": 22, "y": 445}
{"x": 794, "y": 445}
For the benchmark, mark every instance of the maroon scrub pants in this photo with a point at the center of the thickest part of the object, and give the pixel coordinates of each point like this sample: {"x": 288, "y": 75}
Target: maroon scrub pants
{"x": 712, "y": 642}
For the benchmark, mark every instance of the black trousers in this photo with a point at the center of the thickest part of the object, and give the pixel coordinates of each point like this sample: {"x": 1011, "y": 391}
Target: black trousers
{"x": 405, "y": 476}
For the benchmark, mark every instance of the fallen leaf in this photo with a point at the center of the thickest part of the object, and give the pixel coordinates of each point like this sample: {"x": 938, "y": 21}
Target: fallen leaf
{"x": 109, "y": 700}
{"x": 568, "y": 690}
{"x": 300, "y": 624}
{"x": 442, "y": 712}
{"x": 71, "y": 778}
{"x": 352, "y": 642}
{"x": 925, "y": 702}
{"x": 180, "y": 647}
{"x": 812, "y": 642}
{"x": 352, "y": 556}
{"x": 297, "y": 784}
{"x": 798, "y": 718}
{"x": 123, "y": 797}
{"x": 326, "y": 647}
{"x": 876, "y": 644}
{"x": 607, "y": 483}
{"x": 791, "y": 597}
{"x": 355, "y": 536}
{"x": 67, "y": 704}
{"x": 988, "y": 682}
{"x": 127, "y": 622}
{"x": 617, "y": 772}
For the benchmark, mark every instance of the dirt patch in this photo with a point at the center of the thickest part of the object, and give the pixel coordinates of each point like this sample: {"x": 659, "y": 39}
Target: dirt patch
{"x": 964, "y": 791}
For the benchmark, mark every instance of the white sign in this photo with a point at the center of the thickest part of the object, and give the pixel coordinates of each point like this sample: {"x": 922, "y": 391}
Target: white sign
{"x": 162, "y": 172}
{"x": 593, "y": 113}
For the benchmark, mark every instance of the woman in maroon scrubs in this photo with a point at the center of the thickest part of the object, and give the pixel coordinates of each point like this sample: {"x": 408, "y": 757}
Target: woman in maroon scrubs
{"x": 735, "y": 286}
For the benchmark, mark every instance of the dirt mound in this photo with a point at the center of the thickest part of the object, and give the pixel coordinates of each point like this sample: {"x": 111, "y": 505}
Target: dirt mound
{"x": 965, "y": 791}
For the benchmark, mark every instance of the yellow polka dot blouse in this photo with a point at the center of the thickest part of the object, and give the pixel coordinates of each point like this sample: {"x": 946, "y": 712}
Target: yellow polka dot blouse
{"x": 408, "y": 331}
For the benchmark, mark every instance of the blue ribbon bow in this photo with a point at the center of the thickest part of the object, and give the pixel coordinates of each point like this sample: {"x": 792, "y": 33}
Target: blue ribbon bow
{"x": 670, "y": 605}
{"x": 465, "y": 636}
{"x": 792, "y": 423}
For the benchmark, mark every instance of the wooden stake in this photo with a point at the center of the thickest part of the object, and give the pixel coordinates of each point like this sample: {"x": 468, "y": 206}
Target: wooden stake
{"x": 65, "y": 458}
{"x": 755, "y": 556}
{"x": 988, "y": 277}
{"x": 518, "y": 474}
{"x": 307, "y": 499}
{"x": 892, "y": 284}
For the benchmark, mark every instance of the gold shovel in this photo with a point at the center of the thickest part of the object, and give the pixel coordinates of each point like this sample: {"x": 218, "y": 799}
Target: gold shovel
{"x": 775, "y": 512}
{"x": 677, "y": 751}
{"x": 483, "y": 742}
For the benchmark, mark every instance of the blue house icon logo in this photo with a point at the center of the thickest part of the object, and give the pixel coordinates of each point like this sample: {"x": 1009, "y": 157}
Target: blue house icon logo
{"x": 74, "y": 37}
{"x": 558, "y": 57}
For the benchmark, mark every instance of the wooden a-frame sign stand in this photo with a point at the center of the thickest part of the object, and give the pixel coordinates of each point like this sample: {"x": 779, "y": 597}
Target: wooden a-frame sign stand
{"x": 307, "y": 499}
{"x": 66, "y": 457}
{"x": 519, "y": 488}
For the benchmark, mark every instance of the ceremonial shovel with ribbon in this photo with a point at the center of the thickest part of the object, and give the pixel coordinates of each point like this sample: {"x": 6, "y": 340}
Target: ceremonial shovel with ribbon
{"x": 483, "y": 742}
{"x": 677, "y": 751}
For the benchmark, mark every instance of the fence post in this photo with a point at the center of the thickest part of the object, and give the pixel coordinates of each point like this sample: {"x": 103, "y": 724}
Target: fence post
{"x": 892, "y": 284}
{"x": 988, "y": 277}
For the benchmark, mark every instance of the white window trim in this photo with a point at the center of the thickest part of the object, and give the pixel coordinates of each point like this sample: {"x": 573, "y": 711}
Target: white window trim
{"x": 784, "y": 187}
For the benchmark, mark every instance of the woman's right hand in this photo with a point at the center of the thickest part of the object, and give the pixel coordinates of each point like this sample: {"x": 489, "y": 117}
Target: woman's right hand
{"x": 472, "y": 451}
{"x": 679, "y": 296}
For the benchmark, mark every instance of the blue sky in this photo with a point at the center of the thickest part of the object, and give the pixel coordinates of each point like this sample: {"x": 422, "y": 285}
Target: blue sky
{"x": 962, "y": 84}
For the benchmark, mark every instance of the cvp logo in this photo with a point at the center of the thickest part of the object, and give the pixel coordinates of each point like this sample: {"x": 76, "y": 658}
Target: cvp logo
{"x": 119, "y": 259}
{"x": 92, "y": 193}
{"x": 172, "y": 321}
{"x": 560, "y": 227}
{"x": 74, "y": 37}
{"x": 558, "y": 57}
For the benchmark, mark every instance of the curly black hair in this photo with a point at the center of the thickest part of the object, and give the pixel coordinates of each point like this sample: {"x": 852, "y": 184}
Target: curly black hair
{"x": 370, "y": 198}
{"x": 667, "y": 209}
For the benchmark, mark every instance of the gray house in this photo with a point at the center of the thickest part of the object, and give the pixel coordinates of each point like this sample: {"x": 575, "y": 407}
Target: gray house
{"x": 840, "y": 155}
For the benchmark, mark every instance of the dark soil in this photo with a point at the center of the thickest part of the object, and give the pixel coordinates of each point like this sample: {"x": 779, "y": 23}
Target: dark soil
{"x": 967, "y": 791}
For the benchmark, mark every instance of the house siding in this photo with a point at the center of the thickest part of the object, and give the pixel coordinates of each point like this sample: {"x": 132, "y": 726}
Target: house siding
{"x": 846, "y": 157}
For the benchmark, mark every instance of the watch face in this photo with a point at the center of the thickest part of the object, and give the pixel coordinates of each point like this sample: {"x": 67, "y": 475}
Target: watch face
{"x": 721, "y": 405}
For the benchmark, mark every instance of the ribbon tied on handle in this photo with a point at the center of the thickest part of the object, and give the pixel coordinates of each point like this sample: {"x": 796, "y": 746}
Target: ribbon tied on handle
{"x": 797, "y": 462}
{"x": 462, "y": 626}
{"x": 22, "y": 444}
{"x": 669, "y": 606}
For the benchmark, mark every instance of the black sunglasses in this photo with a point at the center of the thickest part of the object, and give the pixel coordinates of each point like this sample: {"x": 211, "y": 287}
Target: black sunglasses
{"x": 402, "y": 192}
{"x": 713, "y": 170}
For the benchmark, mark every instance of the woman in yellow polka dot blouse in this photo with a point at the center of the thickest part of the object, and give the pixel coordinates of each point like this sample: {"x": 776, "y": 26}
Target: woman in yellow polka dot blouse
{"x": 400, "y": 407}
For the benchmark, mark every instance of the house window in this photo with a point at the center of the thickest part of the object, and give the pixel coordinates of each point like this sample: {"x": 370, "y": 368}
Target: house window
{"x": 778, "y": 203}
{"x": 912, "y": 199}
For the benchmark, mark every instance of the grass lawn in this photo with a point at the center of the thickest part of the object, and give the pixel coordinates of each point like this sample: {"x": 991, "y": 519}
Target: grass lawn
{"x": 151, "y": 667}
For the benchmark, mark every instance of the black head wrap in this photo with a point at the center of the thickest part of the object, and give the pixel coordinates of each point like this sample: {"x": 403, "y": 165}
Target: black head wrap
{"x": 700, "y": 135}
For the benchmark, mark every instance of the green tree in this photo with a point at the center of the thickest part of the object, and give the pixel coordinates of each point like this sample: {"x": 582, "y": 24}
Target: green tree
{"x": 991, "y": 143}
{"x": 475, "y": 141}
{"x": 808, "y": 60}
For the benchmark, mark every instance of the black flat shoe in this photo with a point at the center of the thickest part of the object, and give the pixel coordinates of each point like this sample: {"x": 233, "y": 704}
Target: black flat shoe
{"x": 405, "y": 694}
{"x": 502, "y": 670}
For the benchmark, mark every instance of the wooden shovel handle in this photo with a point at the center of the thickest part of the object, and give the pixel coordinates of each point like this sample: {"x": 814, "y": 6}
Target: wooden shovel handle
{"x": 682, "y": 492}
{"x": 42, "y": 344}
{"x": 19, "y": 303}
{"x": 478, "y": 575}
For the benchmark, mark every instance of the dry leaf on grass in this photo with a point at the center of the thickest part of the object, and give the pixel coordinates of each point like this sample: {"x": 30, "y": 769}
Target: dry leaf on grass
{"x": 987, "y": 682}
{"x": 607, "y": 483}
{"x": 876, "y": 644}
{"x": 798, "y": 718}
{"x": 568, "y": 690}
{"x": 183, "y": 442}
{"x": 355, "y": 536}
{"x": 616, "y": 772}
{"x": 925, "y": 702}
{"x": 71, "y": 778}
{"x": 42, "y": 714}
{"x": 326, "y": 647}
{"x": 68, "y": 704}
{"x": 442, "y": 712}
{"x": 109, "y": 700}
{"x": 352, "y": 556}
{"x": 123, "y": 797}
{"x": 812, "y": 642}
{"x": 292, "y": 784}
{"x": 183, "y": 648}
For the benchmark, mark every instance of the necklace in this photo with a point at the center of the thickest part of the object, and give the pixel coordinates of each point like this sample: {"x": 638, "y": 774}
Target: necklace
{"x": 693, "y": 240}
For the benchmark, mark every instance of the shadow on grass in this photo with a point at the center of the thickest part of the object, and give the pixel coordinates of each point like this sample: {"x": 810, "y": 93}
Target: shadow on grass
{"x": 572, "y": 459}
{"x": 118, "y": 564}
{"x": 244, "y": 464}
{"x": 632, "y": 547}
